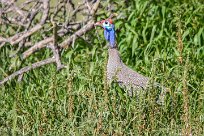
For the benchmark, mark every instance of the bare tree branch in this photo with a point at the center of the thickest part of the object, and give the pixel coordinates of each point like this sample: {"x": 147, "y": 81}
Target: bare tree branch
{"x": 68, "y": 41}
{"x": 37, "y": 46}
{"x": 20, "y": 36}
{"x": 39, "y": 16}
{"x": 54, "y": 47}
{"x": 80, "y": 32}
{"x": 28, "y": 68}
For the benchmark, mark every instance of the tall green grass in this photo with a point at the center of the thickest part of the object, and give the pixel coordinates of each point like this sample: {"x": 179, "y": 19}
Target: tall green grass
{"x": 76, "y": 101}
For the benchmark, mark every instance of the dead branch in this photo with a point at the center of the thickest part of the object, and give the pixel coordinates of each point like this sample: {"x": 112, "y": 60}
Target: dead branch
{"x": 36, "y": 47}
{"x": 33, "y": 17}
{"x": 20, "y": 36}
{"x": 27, "y": 68}
{"x": 68, "y": 41}
{"x": 80, "y": 32}
{"x": 54, "y": 47}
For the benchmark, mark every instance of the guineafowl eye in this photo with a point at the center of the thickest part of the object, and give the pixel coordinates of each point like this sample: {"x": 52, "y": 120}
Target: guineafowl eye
{"x": 106, "y": 22}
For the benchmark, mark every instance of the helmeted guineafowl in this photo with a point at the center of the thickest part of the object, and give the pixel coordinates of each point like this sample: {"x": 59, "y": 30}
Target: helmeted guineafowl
{"x": 116, "y": 69}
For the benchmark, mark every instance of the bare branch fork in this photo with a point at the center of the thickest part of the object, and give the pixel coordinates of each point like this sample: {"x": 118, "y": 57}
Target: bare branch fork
{"x": 24, "y": 19}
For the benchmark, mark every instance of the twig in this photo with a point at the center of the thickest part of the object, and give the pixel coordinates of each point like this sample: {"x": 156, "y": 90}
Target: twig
{"x": 20, "y": 77}
{"x": 83, "y": 30}
{"x": 25, "y": 24}
{"x": 20, "y": 36}
{"x": 68, "y": 41}
{"x": 80, "y": 32}
{"x": 54, "y": 47}
{"x": 37, "y": 46}
{"x": 27, "y": 68}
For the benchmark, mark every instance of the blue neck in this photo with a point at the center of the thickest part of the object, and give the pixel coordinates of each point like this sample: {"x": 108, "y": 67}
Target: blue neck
{"x": 109, "y": 34}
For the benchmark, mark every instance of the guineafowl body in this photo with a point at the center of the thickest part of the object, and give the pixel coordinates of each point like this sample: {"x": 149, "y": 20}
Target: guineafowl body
{"x": 117, "y": 71}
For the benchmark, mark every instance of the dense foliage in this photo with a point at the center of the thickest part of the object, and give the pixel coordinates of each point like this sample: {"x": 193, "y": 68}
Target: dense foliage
{"x": 162, "y": 40}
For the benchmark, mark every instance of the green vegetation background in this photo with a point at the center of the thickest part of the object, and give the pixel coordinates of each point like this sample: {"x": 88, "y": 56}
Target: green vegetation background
{"x": 75, "y": 100}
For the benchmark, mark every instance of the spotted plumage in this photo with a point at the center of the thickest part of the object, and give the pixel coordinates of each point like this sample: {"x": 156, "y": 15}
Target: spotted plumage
{"x": 116, "y": 69}
{"x": 126, "y": 77}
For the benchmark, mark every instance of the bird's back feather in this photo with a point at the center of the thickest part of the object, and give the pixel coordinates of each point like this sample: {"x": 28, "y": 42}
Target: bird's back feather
{"x": 117, "y": 70}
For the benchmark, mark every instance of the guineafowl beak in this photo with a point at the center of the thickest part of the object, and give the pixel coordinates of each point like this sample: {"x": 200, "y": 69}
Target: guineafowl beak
{"x": 98, "y": 23}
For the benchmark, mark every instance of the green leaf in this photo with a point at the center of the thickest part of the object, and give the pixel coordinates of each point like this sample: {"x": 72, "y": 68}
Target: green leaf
{"x": 153, "y": 32}
{"x": 186, "y": 33}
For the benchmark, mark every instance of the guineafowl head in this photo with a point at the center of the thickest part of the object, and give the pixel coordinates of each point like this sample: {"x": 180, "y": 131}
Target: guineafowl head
{"x": 109, "y": 31}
